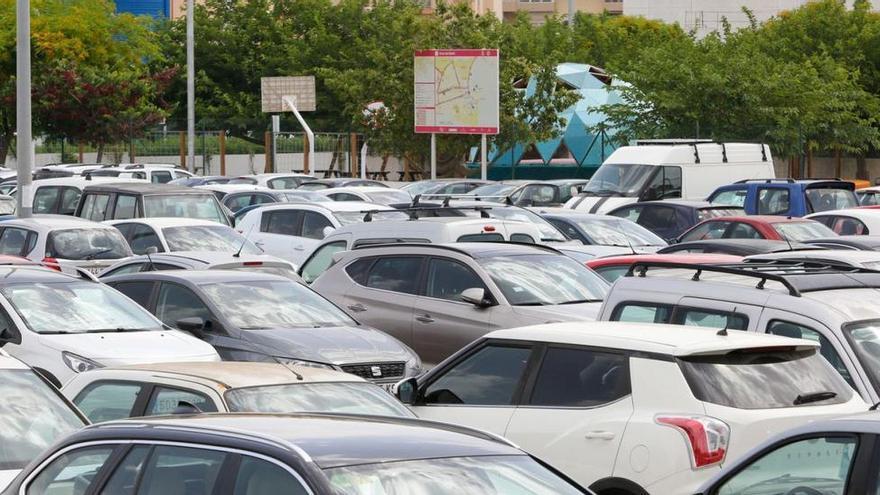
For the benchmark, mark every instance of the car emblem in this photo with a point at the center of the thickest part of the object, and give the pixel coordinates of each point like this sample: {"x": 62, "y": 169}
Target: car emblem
{"x": 377, "y": 371}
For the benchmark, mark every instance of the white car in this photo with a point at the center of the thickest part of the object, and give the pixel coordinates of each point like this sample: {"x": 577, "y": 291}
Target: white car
{"x": 629, "y": 409}
{"x": 33, "y": 414}
{"x": 155, "y": 174}
{"x": 221, "y": 190}
{"x": 869, "y": 196}
{"x": 843, "y": 257}
{"x": 291, "y": 231}
{"x": 278, "y": 180}
{"x": 232, "y": 386}
{"x": 171, "y": 234}
{"x": 381, "y": 195}
{"x": 62, "y": 325}
{"x": 851, "y": 221}
{"x": 61, "y": 195}
{"x": 63, "y": 242}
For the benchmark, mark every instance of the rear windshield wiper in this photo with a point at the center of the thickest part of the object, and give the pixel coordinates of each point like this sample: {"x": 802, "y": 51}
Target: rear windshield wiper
{"x": 579, "y": 301}
{"x": 814, "y": 397}
{"x": 99, "y": 252}
{"x": 535, "y": 303}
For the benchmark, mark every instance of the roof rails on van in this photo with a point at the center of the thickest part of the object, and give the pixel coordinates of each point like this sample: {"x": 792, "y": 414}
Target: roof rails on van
{"x": 413, "y": 211}
{"x": 695, "y": 142}
{"x": 766, "y": 181}
{"x": 789, "y": 274}
{"x": 448, "y": 197}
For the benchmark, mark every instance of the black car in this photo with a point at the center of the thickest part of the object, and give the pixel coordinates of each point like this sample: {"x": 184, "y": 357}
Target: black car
{"x": 240, "y": 454}
{"x": 249, "y": 316}
{"x": 671, "y": 218}
{"x": 852, "y": 242}
{"x": 736, "y": 247}
{"x": 119, "y": 201}
{"x": 321, "y": 184}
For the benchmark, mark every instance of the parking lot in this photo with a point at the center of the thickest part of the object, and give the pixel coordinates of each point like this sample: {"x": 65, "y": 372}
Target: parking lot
{"x": 682, "y": 323}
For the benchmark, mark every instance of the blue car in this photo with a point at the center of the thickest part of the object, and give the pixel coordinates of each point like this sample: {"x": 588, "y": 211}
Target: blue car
{"x": 669, "y": 218}
{"x": 787, "y": 197}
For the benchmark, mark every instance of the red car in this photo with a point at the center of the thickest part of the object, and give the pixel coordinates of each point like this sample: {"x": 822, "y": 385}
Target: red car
{"x": 774, "y": 228}
{"x": 614, "y": 267}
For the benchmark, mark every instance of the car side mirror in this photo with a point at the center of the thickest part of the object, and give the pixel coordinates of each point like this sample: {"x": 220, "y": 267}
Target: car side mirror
{"x": 151, "y": 250}
{"x": 328, "y": 230}
{"x": 476, "y": 296}
{"x": 194, "y": 325}
{"x": 6, "y": 336}
{"x": 407, "y": 391}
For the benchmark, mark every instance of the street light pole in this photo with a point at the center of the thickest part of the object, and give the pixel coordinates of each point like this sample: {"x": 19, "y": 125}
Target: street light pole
{"x": 190, "y": 86}
{"x": 24, "y": 140}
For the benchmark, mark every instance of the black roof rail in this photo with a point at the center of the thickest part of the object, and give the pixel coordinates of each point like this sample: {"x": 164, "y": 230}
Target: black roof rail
{"x": 413, "y": 210}
{"x": 767, "y": 181}
{"x": 642, "y": 268}
{"x": 450, "y": 246}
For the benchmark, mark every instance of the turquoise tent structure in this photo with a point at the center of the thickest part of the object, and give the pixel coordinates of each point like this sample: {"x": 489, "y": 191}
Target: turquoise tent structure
{"x": 577, "y": 151}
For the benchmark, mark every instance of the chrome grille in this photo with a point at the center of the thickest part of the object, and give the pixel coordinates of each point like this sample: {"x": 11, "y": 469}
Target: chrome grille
{"x": 375, "y": 371}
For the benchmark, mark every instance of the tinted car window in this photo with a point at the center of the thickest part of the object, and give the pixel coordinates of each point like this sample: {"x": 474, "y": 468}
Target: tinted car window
{"x": 319, "y": 262}
{"x": 490, "y": 376}
{"x": 161, "y": 177}
{"x": 95, "y": 207}
{"x": 525, "y": 238}
{"x": 177, "y": 302}
{"x": 711, "y": 319}
{"x": 359, "y": 269}
{"x": 657, "y": 217}
{"x": 13, "y": 242}
{"x": 642, "y": 313}
{"x": 165, "y": 400}
{"x": 773, "y": 201}
{"x": 395, "y": 274}
{"x": 46, "y": 198}
{"x": 172, "y": 468}
{"x": 259, "y": 477}
{"x": 125, "y": 476}
{"x": 281, "y": 222}
{"x": 71, "y": 473}
{"x": 793, "y": 330}
{"x": 69, "y": 201}
{"x": 143, "y": 237}
{"x": 447, "y": 279}
{"x": 283, "y": 183}
{"x": 237, "y": 202}
{"x": 107, "y": 401}
{"x": 314, "y": 224}
{"x": 580, "y": 378}
{"x": 126, "y": 207}
{"x": 138, "y": 292}
{"x": 481, "y": 238}
{"x": 569, "y": 230}
{"x": 741, "y": 230}
{"x": 764, "y": 379}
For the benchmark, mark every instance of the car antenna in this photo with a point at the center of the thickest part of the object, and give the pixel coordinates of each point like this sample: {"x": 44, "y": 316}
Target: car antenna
{"x": 150, "y": 251}
{"x": 297, "y": 375}
{"x": 625, "y": 237}
{"x": 788, "y": 241}
{"x": 244, "y": 242}
{"x": 723, "y": 331}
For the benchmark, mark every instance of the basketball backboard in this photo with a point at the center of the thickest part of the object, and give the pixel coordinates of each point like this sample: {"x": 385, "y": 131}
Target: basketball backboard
{"x": 300, "y": 88}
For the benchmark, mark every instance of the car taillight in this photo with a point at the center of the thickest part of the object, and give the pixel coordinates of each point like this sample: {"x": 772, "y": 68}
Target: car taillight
{"x": 51, "y": 263}
{"x": 708, "y": 437}
{"x": 252, "y": 263}
{"x": 489, "y": 228}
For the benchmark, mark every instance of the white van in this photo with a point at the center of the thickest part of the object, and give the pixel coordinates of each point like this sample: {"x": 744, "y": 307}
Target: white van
{"x": 668, "y": 169}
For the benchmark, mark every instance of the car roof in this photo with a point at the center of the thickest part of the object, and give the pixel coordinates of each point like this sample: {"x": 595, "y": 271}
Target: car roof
{"x": 206, "y": 257}
{"x": 475, "y": 250}
{"x": 50, "y": 222}
{"x": 331, "y": 440}
{"x": 708, "y": 258}
{"x": 360, "y": 189}
{"x": 145, "y": 188}
{"x": 756, "y": 245}
{"x": 860, "y": 213}
{"x": 844, "y": 255}
{"x": 329, "y": 205}
{"x": 199, "y": 277}
{"x": 32, "y": 274}
{"x": 162, "y": 222}
{"x": 756, "y": 219}
{"x": 670, "y": 340}
{"x": 239, "y": 374}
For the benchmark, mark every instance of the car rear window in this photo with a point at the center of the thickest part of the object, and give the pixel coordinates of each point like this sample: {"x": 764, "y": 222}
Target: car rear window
{"x": 707, "y": 213}
{"x": 765, "y": 379}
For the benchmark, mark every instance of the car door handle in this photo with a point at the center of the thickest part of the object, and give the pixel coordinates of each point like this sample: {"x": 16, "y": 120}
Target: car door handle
{"x": 258, "y": 243}
{"x": 425, "y": 318}
{"x": 299, "y": 248}
{"x": 599, "y": 435}
{"x": 357, "y": 308}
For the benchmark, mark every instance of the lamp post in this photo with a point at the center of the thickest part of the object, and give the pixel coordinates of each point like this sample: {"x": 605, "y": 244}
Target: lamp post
{"x": 24, "y": 140}
{"x": 190, "y": 86}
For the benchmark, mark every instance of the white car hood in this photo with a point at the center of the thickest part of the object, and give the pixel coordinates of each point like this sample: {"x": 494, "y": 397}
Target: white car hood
{"x": 116, "y": 349}
{"x": 598, "y": 204}
{"x": 6, "y": 477}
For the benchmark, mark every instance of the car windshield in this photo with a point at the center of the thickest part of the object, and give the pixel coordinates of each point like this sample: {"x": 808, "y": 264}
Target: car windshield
{"x": 86, "y": 244}
{"x": 707, "y": 213}
{"x": 825, "y": 199}
{"x": 484, "y": 475}
{"x": 618, "y": 232}
{"x": 335, "y": 397}
{"x": 865, "y": 340}
{"x": 549, "y": 233}
{"x": 350, "y": 217}
{"x": 274, "y": 304}
{"x": 544, "y": 280}
{"x": 390, "y": 197}
{"x": 496, "y": 189}
{"x": 217, "y": 238}
{"x": 305, "y": 197}
{"x": 199, "y": 206}
{"x": 32, "y": 417}
{"x": 76, "y": 307}
{"x": 616, "y": 179}
{"x": 242, "y": 180}
{"x": 803, "y": 231}
{"x": 422, "y": 187}
{"x": 764, "y": 378}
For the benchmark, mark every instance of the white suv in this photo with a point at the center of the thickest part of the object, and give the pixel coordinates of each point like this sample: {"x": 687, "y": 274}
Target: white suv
{"x": 631, "y": 409}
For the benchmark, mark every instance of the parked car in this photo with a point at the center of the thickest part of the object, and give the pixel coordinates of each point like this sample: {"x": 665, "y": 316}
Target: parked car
{"x": 222, "y": 190}
{"x": 436, "y": 298}
{"x": 61, "y": 196}
{"x": 436, "y": 230}
{"x": 735, "y": 247}
{"x": 198, "y": 180}
{"x": 277, "y": 180}
{"x": 290, "y": 196}
{"x": 613, "y": 267}
{"x": 63, "y": 242}
{"x": 831, "y": 305}
{"x": 632, "y": 408}
{"x": 380, "y": 195}
{"x": 7, "y": 206}
{"x": 602, "y": 230}
{"x": 853, "y": 221}
{"x": 670, "y": 169}
{"x": 443, "y": 186}
{"x": 786, "y": 197}
{"x": 33, "y": 414}
{"x": 832, "y": 456}
{"x": 203, "y": 260}
{"x": 68, "y": 169}
{"x": 484, "y": 209}
{"x": 837, "y": 257}
{"x": 259, "y": 317}
{"x": 495, "y": 191}
{"x": 773, "y": 228}
{"x": 856, "y": 242}
{"x": 124, "y": 201}
{"x": 62, "y": 325}
{"x": 238, "y": 200}
{"x": 112, "y": 393}
{"x": 295, "y": 454}
{"x": 151, "y": 173}
{"x": 669, "y": 219}
{"x": 532, "y": 193}
{"x": 320, "y": 184}
{"x": 292, "y": 231}
{"x": 868, "y": 196}
{"x": 181, "y": 234}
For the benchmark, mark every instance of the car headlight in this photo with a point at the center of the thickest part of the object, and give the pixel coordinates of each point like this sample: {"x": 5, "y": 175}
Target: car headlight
{"x": 299, "y": 362}
{"x": 413, "y": 367}
{"x": 79, "y": 364}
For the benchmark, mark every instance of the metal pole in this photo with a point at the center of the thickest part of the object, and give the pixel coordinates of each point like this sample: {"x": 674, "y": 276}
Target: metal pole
{"x": 364, "y": 160}
{"x": 190, "y": 86}
{"x": 276, "y": 128}
{"x": 570, "y": 13}
{"x": 24, "y": 140}
{"x": 311, "y": 135}
{"x": 433, "y": 156}
{"x": 484, "y": 162}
